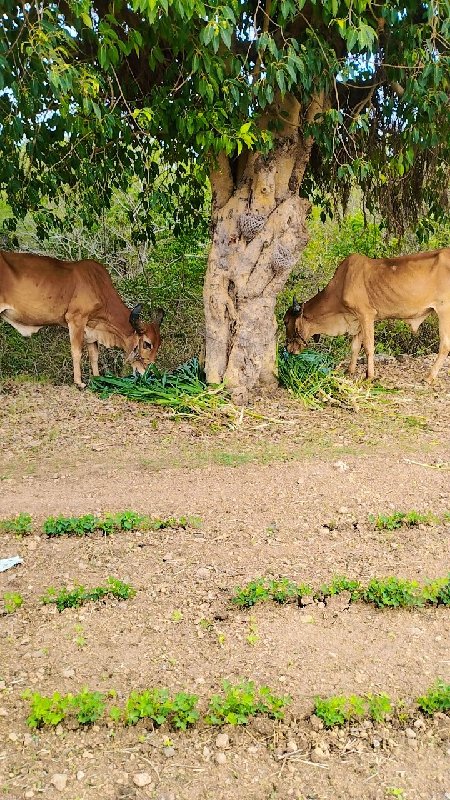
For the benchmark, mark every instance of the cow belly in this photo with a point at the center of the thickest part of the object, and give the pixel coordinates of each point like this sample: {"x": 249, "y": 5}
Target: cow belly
{"x": 25, "y": 330}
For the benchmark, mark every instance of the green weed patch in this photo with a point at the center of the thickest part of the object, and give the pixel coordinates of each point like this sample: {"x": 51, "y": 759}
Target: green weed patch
{"x": 390, "y": 592}
{"x": 437, "y": 698}
{"x": 113, "y": 523}
{"x": 344, "y": 709}
{"x": 235, "y": 706}
{"x": 311, "y": 378}
{"x": 400, "y": 519}
{"x": 340, "y": 709}
{"x": 179, "y": 711}
{"x": 74, "y": 598}
{"x": 12, "y": 601}
{"x": 20, "y": 525}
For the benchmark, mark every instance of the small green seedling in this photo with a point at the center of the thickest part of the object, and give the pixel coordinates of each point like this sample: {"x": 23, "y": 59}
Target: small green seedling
{"x": 237, "y": 704}
{"x": 393, "y": 592}
{"x": 66, "y": 598}
{"x": 157, "y": 706}
{"x": 20, "y": 525}
{"x": 400, "y": 519}
{"x": 12, "y": 602}
{"x": 113, "y": 523}
{"x": 436, "y": 699}
{"x": 342, "y": 709}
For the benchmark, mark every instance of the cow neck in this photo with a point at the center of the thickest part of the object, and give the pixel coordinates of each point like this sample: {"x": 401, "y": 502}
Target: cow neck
{"x": 116, "y": 319}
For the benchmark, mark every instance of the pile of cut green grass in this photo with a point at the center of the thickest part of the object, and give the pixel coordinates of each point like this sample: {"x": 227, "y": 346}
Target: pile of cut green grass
{"x": 311, "y": 378}
{"x": 184, "y": 390}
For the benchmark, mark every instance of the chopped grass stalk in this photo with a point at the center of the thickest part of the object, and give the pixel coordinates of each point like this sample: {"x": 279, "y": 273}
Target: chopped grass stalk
{"x": 184, "y": 390}
{"x": 310, "y": 377}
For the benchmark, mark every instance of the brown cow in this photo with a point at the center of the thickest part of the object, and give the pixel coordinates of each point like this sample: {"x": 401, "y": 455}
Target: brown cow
{"x": 40, "y": 290}
{"x": 363, "y": 290}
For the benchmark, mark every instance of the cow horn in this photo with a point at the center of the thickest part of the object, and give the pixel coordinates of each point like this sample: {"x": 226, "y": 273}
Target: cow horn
{"x": 135, "y": 322}
{"x": 296, "y": 306}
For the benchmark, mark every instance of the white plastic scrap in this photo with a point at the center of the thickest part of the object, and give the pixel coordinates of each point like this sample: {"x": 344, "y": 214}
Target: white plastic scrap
{"x": 7, "y": 563}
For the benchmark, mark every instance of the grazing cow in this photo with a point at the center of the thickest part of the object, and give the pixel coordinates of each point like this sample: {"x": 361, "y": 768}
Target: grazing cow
{"x": 363, "y": 290}
{"x": 40, "y": 290}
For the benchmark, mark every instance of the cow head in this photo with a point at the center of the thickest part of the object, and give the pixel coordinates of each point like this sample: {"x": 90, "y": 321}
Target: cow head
{"x": 145, "y": 341}
{"x": 298, "y": 328}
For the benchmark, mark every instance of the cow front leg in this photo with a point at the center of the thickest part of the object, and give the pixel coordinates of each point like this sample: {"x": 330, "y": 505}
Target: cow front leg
{"x": 356, "y": 347}
{"x": 93, "y": 357}
{"x": 76, "y": 333}
{"x": 444, "y": 345}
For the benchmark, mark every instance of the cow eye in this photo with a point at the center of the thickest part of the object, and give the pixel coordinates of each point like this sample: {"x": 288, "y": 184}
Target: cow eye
{"x": 148, "y": 345}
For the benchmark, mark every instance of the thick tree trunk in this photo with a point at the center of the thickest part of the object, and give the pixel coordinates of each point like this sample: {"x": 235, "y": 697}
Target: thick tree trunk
{"x": 259, "y": 234}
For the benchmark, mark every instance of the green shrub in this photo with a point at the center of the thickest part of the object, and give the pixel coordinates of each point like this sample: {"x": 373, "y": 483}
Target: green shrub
{"x": 392, "y": 592}
{"x": 20, "y": 525}
{"x": 437, "y": 698}
{"x": 340, "y": 709}
{"x": 157, "y": 706}
{"x": 45, "y": 710}
{"x": 254, "y": 592}
{"x": 400, "y": 519}
{"x": 110, "y": 523}
{"x": 341, "y": 584}
{"x": 73, "y": 598}
{"x": 12, "y": 601}
{"x": 237, "y": 704}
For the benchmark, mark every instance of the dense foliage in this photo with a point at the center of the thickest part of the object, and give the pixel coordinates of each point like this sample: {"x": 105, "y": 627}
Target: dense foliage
{"x": 97, "y": 95}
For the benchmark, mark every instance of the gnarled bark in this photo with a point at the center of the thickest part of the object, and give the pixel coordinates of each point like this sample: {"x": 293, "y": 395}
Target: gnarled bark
{"x": 259, "y": 234}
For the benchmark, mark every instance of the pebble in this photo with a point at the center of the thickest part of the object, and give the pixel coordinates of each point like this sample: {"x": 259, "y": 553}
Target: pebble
{"x": 142, "y": 779}
{"x": 222, "y": 741}
{"x": 29, "y": 793}
{"x": 410, "y": 734}
{"x": 206, "y": 752}
{"x": 59, "y": 781}
{"x": 3, "y": 712}
{"x": 13, "y": 737}
{"x": 291, "y": 746}
{"x": 316, "y": 723}
{"x": 318, "y": 755}
{"x": 341, "y": 466}
{"x": 419, "y": 723}
{"x": 27, "y": 739}
{"x": 306, "y": 618}
{"x": 80, "y": 775}
{"x": 252, "y": 749}
{"x": 203, "y": 573}
{"x": 221, "y": 758}
{"x": 169, "y": 752}
{"x": 69, "y": 672}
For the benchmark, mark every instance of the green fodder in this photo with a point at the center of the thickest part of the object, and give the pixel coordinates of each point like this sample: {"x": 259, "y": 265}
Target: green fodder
{"x": 183, "y": 390}
{"x": 311, "y": 378}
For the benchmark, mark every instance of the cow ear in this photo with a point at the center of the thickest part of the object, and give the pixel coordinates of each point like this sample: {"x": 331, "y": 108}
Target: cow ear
{"x": 159, "y": 316}
{"x": 316, "y": 337}
{"x": 135, "y": 321}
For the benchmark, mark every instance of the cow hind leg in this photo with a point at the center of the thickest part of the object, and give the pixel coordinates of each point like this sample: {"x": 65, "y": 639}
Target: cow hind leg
{"x": 356, "y": 347}
{"x": 76, "y": 333}
{"x": 444, "y": 345}
{"x": 93, "y": 357}
{"x": 368, "y": 341}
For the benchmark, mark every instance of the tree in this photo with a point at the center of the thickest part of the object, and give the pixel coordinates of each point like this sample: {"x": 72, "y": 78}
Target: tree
{"x": 278, "y": 102}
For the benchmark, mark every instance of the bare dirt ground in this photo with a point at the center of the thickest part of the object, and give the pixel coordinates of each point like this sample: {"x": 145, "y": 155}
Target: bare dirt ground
{"x": 291, "y": 498}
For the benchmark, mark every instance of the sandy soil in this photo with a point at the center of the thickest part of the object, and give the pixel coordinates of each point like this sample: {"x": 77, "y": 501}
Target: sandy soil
{"x": 287, "y": 498}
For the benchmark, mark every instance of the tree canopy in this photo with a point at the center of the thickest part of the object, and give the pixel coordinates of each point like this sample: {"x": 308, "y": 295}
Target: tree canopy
{"x": 95, "y": 93}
